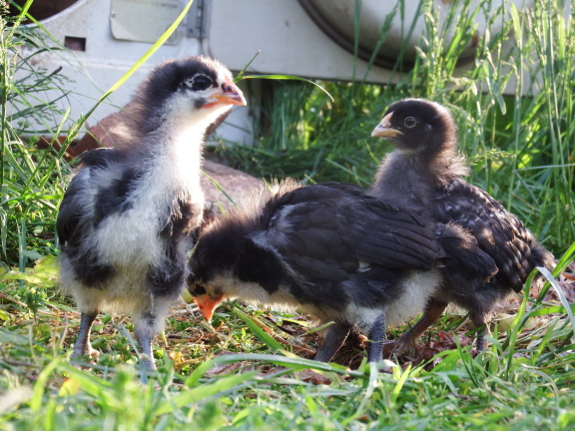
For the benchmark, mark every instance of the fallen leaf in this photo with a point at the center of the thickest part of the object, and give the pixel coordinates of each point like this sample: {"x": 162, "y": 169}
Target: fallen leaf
{"x": 310, "y": 376}
{"x": 69, "y": 388}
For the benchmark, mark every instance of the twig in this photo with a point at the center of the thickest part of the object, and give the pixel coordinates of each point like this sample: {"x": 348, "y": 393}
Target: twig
{"x": 19, "y": 364}
{"x": 23, "y": 305}
{"x": 15, "y": 301}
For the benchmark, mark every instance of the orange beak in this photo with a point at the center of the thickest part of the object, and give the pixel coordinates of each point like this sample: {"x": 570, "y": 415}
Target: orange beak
{"x": 207, "y": 305}
{"x": 230, "y": 95}
{"x": 384, "y": 129}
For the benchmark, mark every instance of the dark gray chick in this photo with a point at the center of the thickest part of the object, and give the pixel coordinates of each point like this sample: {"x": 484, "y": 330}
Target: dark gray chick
{"x": 125, "y": 221}
{"x": 424, "y": 174}
{"x": 328, "y": 250}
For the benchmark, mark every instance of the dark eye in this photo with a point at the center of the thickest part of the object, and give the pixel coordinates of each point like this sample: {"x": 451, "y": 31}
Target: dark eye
{"x": 200, "y": 83}
{"x": 200, "y": 290}
{"x": 410, "y": 122}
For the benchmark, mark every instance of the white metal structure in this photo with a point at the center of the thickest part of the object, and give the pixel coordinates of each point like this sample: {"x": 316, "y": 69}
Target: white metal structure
{"x": 108, "y": 36}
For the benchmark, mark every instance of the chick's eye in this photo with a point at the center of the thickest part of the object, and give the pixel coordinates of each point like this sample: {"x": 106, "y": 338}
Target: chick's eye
{"x": 200, "y": 82}
{"x": 197, "y": 290}
{"x": 410, "y": 122}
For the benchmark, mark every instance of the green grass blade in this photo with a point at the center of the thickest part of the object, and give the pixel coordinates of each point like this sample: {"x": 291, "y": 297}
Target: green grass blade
{"x": 75, "y": 130}
{"x": 563, "y": 263}
{"x": 202, "y": 392}
{"x": 290, "y": 78}
{"x": 258, "y": 331}
{"x": 220, "y": 188}
{"x": 40, "y": 385}
{"x": 240, "y": 75}
{"x": 559, "y": 293}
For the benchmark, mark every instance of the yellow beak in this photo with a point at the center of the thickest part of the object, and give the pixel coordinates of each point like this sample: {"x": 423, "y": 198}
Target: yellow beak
{"x": 384, "y": 129}
{"x": 230, "y": 95}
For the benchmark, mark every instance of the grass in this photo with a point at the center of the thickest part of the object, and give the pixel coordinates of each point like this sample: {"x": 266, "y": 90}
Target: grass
{"x": 31, "y": 179}
{"x": 521, "y": 386}
{"x": 250, "y": 368}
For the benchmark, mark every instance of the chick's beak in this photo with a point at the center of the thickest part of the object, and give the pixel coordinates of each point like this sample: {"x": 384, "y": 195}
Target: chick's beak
{"x": 207, "y": 305}
{"x": 229, "y": 94}
{"x": 384, "y": 129}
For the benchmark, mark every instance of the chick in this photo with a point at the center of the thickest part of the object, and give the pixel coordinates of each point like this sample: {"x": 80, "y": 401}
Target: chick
{"x": 327, "y": 250}
{"x": 424, "y": 174}
{"x": 125, "y": 221}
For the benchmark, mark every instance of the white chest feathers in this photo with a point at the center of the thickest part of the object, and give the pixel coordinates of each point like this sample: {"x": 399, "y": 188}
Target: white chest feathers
{"x": 417, "y": 289}
{"x": 131, "y": 238}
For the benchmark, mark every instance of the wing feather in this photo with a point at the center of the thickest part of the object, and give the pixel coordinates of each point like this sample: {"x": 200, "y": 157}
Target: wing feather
{"x": 326, "y": 231}
{"x": 499, "y": 234}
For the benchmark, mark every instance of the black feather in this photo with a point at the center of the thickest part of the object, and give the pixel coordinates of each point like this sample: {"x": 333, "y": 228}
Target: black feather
{"x": 259, "y": 266}
{"x": 116, "y": 197}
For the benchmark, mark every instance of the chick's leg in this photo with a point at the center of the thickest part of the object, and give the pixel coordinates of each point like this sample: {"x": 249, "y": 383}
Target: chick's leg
{"x": 432, "y": 312}
{"x": 146, "y": 326}
{"x": 333, "y": 339}
{"x": 82, "y": 345}
{"x": 377, "y": 337}
{"x": 480, "y": 322}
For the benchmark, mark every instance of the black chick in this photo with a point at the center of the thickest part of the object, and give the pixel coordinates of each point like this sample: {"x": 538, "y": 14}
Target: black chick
{"x": 328, "y": 250}
{"x": 424, "y": 174}
{"x": 126, "y": 217}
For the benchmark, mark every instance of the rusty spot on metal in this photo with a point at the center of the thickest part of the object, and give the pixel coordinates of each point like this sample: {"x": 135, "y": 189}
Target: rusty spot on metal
{"x": 475, "y": 39}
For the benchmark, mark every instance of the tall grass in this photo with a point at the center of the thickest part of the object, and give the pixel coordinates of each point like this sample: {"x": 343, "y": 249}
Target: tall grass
{"x": 31, "y": 178}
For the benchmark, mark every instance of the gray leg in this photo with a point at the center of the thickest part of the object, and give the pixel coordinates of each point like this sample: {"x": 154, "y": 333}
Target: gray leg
{"x": 480, "y": 322}
{"x": 333, "y": 339}
{"x": 432, "y": 312}
{"x": 82, "y": 346}
{"x": 377, "y": 338}
{"x": 145, "y": 330}
{"x": 480, "y": 340}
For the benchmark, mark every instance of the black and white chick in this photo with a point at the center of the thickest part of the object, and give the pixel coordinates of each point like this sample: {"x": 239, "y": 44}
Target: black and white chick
{"x": 327, "y": 250}
{"x": 125, "y": 221}
{"x": 424, "y": 174}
